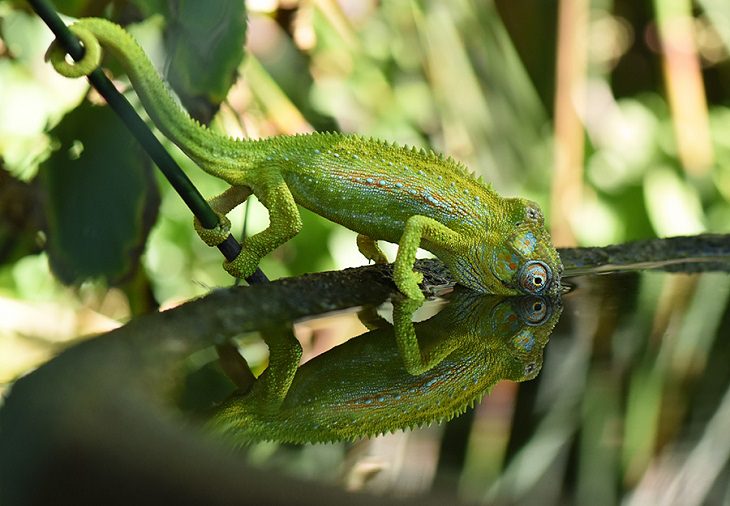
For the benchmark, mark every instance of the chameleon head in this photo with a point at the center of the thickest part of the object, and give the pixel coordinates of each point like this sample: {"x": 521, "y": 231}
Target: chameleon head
{"x": 525, "y": 261}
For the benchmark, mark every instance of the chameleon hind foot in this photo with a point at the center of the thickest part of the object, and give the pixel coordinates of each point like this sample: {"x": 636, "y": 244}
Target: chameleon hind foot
{"x": 245, "y": 264}
{"x": 218, "y": 234}
{"x": 370, "y": 249}
{"x": 284, "y": 223}
{"x": 222, "y": 205}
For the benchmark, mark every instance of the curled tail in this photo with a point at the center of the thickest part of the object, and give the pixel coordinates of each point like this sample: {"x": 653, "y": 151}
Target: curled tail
{"x": 204, "y": 146}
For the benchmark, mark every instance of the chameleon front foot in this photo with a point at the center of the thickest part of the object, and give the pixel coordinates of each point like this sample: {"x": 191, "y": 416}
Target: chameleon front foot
{"x": 407, "y": 282}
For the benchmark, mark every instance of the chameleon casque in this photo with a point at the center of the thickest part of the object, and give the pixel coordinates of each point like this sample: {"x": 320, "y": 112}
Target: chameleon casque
{"x": 374, "y": 383}
{"x": 379, "y": 190}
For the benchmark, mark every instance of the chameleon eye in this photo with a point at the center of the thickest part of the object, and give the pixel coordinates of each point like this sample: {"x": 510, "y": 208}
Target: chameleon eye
{"x": 534, "y": 310}
{"x": 534, "y": 277}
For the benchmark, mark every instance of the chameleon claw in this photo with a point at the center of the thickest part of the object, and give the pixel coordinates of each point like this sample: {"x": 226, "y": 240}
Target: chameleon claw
{"x": 217, "y": 235}
{"x": 243, "y": 265}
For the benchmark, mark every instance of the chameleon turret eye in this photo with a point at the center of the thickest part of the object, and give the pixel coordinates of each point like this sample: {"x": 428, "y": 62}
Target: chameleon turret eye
{"x": 534, "y": 277}
{"x": 534, "y": 310}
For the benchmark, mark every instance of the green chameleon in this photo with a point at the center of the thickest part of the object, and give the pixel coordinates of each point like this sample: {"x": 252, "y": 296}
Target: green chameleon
{"x": 373, "y": 383}
{"x": 381, "y": 191}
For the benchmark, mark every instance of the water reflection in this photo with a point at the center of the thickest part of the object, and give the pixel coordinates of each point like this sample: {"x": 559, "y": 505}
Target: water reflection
{"x": 396, "y": 375}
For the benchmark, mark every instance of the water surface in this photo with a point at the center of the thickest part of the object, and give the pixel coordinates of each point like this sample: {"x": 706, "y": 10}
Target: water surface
{"x": 624, "y": 402}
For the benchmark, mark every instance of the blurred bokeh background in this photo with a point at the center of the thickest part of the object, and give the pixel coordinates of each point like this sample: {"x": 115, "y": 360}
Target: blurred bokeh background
{"x": 613, "y": 115}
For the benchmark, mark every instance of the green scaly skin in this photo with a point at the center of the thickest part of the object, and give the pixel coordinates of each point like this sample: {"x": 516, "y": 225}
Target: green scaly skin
{"x": 376, "y": 383}
{"x": 381, "y": 191}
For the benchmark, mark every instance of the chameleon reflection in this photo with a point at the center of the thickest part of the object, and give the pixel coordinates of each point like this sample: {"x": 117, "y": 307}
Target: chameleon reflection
{"x": 398, "y": 376}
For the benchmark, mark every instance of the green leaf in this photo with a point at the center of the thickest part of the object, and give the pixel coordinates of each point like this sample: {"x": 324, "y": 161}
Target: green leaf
{"x": 205, "y": 43}
{"x": 100, "y": 197}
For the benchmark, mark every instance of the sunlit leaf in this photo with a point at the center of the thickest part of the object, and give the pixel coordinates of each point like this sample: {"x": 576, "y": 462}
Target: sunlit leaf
{"x": 205, "y": 47}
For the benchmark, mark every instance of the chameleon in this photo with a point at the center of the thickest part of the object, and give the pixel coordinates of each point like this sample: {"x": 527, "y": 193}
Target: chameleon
{"x": 393, "y": 377}
{"x": 380, "y": 190}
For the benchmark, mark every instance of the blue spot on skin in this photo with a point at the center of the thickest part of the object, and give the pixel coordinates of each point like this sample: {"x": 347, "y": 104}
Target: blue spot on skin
{"x": 369, "y": 180}
{"x": 399, "y": 185}
{"x": 413, "y": 192}
{"x": 505, "y": 263}
{"x": 316, "y": 151}
{"x": 524, "y": 341}
{"x": 524, "y": 243}
{"x": 382, "y": 182}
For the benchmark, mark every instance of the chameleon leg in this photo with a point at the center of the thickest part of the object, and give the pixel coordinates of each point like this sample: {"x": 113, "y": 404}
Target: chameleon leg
{"x": 268, "y": 391}
{"x": 284, "y": 223}
{"x": 405, "y": 335}
{"x": 415, "y": 360}
{"x": 285, "y": 352}
{"x": 370, "y": 250}
{"x": 222, "y": 205}
{"x": 235, "y": 367}
{"x": 419, "y": 228}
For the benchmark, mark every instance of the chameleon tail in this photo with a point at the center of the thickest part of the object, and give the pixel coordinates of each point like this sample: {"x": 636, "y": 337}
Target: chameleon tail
{"x": 204, "y": 146}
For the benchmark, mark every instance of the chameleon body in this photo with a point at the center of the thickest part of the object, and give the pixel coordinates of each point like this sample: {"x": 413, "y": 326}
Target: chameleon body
{"x": 381, "y": 191}
{"x": 393, "y": 377}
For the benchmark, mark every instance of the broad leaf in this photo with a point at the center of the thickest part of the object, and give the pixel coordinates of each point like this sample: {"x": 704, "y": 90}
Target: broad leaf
{"x": 205, "y": 43}
{"x": 100, "y": 197}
